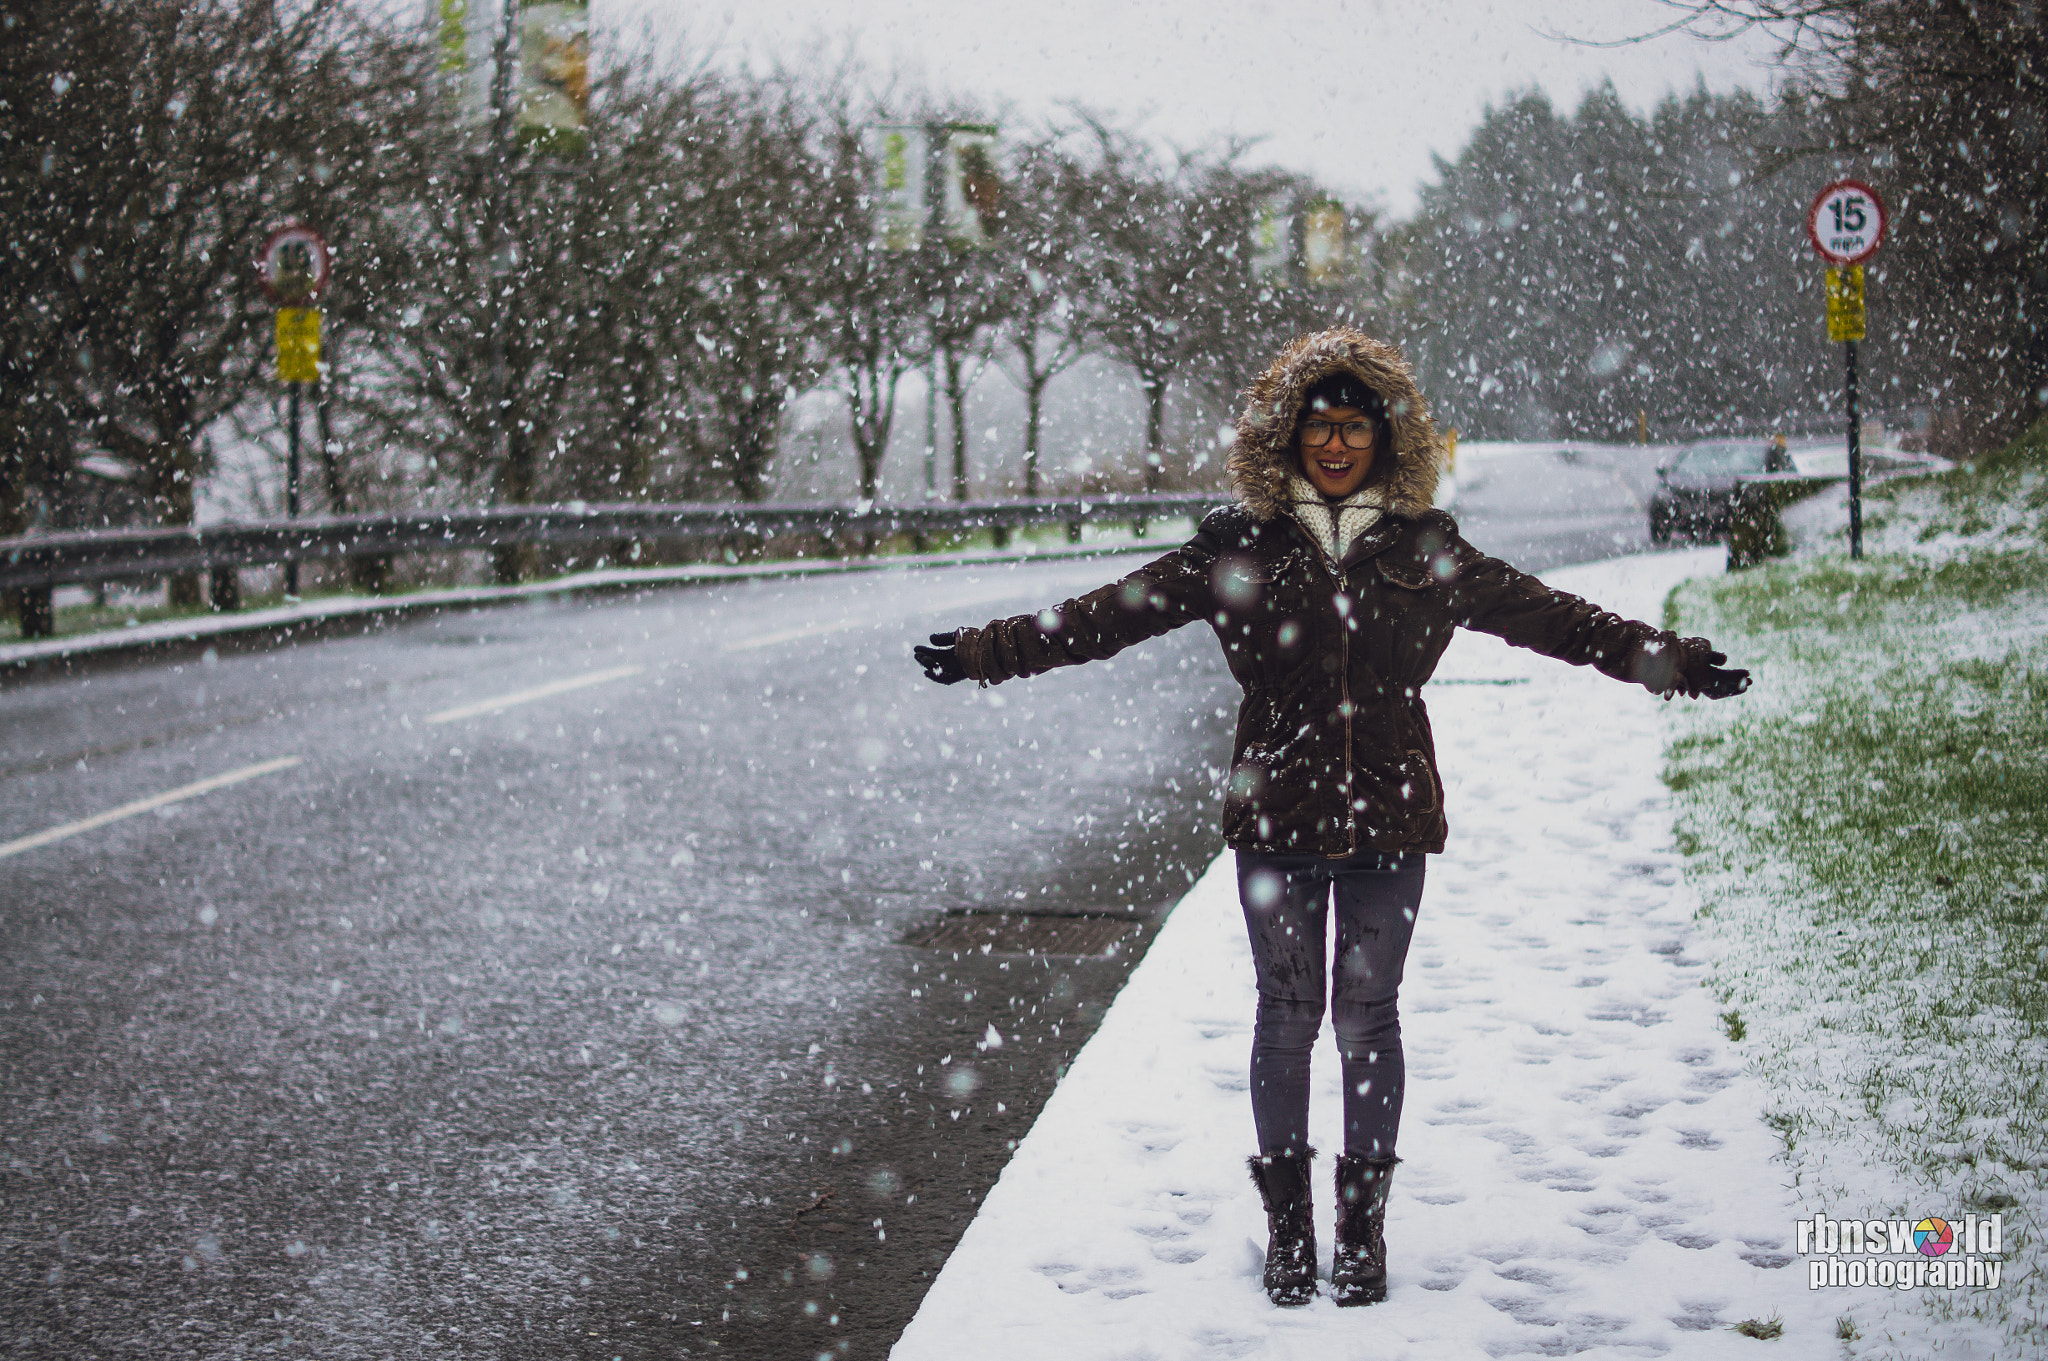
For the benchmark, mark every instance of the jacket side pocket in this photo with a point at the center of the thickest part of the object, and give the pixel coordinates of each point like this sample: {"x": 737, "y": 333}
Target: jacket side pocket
{"x": 1417, "y": 767}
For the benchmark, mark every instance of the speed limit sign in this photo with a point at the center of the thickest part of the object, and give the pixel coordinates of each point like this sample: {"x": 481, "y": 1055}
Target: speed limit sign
{"x": 1846, "y": 222}
{"x": 293, "y": 265}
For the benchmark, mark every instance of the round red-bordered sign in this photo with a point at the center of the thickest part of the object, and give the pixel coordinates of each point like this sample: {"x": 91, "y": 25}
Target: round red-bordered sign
{"x": 294, "y": 265}
{"x": 1847, "y": 222}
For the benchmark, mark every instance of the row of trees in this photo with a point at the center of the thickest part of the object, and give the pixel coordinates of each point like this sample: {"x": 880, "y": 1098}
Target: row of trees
{"x": 634, "y": 322}
{"x": 1576, "y": 275}
{"x": 638, "y": 321}
{"x": 144, "y": 151}
{"x": 1945, "y": 104}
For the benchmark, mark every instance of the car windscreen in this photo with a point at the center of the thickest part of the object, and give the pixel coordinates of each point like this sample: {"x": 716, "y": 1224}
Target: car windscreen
{"x": 1727, "y": 457}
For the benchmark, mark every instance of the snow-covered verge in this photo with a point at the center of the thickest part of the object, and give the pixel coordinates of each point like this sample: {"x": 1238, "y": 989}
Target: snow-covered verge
{"x": 1869, "y": 838}
{"x": 1586, "y": 1171}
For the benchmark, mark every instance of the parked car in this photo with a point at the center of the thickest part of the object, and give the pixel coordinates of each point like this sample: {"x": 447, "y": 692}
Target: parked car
{"x": 1696, "y": 487}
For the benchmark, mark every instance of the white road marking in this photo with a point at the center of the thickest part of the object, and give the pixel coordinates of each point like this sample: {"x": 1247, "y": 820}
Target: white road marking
{"x": 789, "y": 635}
{"x": 129, "y": 810}
{"x": 940, "y": 606}
{"x": 491, "y": 706}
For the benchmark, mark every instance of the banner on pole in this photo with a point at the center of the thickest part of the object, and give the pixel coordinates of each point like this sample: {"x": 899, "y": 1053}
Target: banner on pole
{"x": 973, "y": 188}
{"x": 298, "y": 344}
{"x": 900, "y": 152}
{"x": 554, "y": 75}
{"x": 1845, "y": 302}
{"x": 1273, "y": 236}
{"x": 466, "y": 38}
{"x": 1325, "y": 254}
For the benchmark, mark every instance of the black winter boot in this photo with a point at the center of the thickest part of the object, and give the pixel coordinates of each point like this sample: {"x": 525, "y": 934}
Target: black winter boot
{"x": 1358, "y": 1267}
{"x": 1283, "y": 1182}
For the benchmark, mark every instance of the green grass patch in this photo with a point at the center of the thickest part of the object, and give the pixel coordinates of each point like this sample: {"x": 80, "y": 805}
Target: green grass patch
{"x": 1894, "y": 796}
{"x": 1868, "y": 830}
{"x": 72, "y": 620}
{"x": 2027, "y": 453}
{"x": 1763, "y": 1329}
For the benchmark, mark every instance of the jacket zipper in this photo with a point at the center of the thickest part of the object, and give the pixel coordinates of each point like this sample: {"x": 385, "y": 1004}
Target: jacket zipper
{"x": 1344, "y": 700}
{"x": 1350, "y": 771}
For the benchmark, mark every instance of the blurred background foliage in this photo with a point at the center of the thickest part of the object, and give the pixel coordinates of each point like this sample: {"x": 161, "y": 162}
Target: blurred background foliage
{"x": 640, "y": 321}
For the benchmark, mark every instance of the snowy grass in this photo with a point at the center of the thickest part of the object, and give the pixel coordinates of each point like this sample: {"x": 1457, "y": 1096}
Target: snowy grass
{"x": 1868, "y": 832}
{"x": 2000, "y": 502}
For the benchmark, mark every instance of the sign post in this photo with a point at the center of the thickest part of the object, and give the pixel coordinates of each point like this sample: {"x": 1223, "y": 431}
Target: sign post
{"x": 293, "y": 268}
{"x": 1846, "y": 224}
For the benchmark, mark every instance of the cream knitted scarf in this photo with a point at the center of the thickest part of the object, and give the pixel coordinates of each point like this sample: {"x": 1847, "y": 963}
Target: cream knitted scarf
{"x": 1334, "y": 527}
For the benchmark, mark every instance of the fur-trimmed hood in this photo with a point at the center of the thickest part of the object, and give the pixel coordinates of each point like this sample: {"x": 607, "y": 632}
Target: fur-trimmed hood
{"x": 1263, "y": 456}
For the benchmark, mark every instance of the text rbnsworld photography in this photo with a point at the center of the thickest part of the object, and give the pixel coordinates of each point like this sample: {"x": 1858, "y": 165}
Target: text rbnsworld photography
{"x": 1902, "y": 1254}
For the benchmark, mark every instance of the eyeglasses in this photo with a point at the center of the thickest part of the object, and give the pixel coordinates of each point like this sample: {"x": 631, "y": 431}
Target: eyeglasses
{"x": 1357, "y": 434}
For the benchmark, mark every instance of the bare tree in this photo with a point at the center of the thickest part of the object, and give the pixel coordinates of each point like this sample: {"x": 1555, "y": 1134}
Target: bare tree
{"x": 871, "y": 302}
{"x": 966, "y": 305}
{"x": 750, "y": 262}
{"x": 53, "y": 63}
{"x": 1236, "y": 317}
{"x": 1045, "y": 326}
{"x": 222, "y": 120}
{"x": 1137, "y": 250}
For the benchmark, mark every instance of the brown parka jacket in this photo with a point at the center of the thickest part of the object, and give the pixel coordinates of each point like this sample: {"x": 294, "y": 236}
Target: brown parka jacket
{"x": 1333, "y": 753}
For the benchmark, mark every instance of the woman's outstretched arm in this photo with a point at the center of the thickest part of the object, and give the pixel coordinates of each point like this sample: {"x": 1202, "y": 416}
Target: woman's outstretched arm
{"x": 1160, "y": 596}
{"x": 1493, "y": 597}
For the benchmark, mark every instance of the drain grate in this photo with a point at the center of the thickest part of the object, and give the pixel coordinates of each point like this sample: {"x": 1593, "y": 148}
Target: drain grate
{"x": 1023, "y": 933}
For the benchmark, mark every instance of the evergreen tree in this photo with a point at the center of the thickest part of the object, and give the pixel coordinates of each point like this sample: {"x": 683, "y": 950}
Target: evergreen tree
{"x": 1574, "y": 276}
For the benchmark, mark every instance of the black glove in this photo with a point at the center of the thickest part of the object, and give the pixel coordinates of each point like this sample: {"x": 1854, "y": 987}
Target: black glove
{"x": 1701, "y": 675}
{"x": 941, "y": 661}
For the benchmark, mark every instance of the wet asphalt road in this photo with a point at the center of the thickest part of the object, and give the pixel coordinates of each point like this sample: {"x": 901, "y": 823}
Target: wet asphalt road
{"x": 585, "y": 1026}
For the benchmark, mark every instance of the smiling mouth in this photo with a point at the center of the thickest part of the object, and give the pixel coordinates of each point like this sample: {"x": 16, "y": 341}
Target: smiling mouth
{"x": 1334, "y": 469}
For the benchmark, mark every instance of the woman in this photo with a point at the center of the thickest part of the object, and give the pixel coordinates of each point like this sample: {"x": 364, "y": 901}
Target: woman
{"x": 1334, "y": 585}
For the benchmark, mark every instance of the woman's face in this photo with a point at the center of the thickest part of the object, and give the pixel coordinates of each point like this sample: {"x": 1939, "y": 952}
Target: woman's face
{"x": 1332, "y": 467}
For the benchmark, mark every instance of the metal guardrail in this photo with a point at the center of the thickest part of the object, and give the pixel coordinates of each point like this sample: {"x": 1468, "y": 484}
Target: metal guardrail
{"x": 42, "y": 561}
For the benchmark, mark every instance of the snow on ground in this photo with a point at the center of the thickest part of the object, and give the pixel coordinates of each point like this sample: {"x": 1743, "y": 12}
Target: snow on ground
{"x": 1919, "y": 521}
{"x": 1586, "y": 1171}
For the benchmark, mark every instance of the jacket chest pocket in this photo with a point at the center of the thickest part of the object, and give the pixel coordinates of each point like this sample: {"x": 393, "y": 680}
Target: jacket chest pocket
{"x": 1285, "y": 569}
{"x": 1411, "y": 617}
{"x": 1245, "y": 582}
{"x": 1407, "y": 578}
{"x": 1249, "y": 587}
{"x": 1408, "y": 591}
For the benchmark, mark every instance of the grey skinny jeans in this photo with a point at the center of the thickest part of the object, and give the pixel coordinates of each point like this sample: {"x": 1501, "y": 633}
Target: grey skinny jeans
{"x": 1286, "y": 905}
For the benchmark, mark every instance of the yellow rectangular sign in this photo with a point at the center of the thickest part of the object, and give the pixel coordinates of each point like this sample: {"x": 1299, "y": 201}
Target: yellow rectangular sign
{"x": 1845, "y": 303}
{"x": 298, "y": 344}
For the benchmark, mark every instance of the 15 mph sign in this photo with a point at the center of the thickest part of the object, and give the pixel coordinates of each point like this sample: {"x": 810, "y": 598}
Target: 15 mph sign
{"x": 1846, "y": 222}
{"x": 293, "y": 265}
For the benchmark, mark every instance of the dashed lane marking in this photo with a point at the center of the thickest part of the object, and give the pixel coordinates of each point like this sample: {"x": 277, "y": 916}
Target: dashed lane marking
{"x": 790, "y": 635}
{"x": 129, "y": 810}
{"x": 491, "y": 706}
{"x": 941, "y": 606}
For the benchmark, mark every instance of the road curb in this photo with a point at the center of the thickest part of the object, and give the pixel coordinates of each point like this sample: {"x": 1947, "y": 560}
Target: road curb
{"x": 341, "y": 615}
